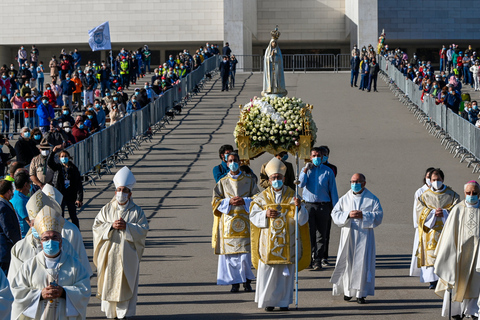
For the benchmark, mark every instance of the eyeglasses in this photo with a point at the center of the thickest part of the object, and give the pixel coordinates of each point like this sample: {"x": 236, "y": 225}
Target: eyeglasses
{"x": 356, "y": 181}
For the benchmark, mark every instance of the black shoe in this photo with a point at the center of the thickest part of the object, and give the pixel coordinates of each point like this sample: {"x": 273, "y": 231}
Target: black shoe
{"x": 247, "y": 286}
{"x": 368, "y": 90}
{"x": 235, "y": 287}
{"x": 457, "y": 317}
{"x": 375, "y": 90}
{"x": 347, "y": 298}
{"x": 269, "y": 308}
{"x": 356, "y": 86}
{"x": 432, "y": 285}
{"x": 361, "y": 301}
{"x": 284, "y": 309}
{"x": 223, "y": 90}
{"x": 325, "y": 263}
{"x": 317, "y": 266}
{"x": 351, "y": 85}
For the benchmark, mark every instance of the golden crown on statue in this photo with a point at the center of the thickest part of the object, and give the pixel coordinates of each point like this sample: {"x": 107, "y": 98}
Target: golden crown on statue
{"x": 275, "y": 33}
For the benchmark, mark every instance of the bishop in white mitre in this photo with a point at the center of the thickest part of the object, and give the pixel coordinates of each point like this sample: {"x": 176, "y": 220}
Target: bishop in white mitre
{"x": 272, "y": 217}
{"x": 457, "y": 257}
{"x": 52, "y": 285}
{"x": 119, "y": 233}
{"x": 357, "y": 213}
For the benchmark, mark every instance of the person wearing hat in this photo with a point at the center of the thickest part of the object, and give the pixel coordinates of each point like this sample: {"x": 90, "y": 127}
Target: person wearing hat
{"x": 100, "y": 114}
{"x": 40, "y": 173}
{"x": 67, "y": 128}
{"x": 45, "y": 114}
{"x": 25, "y": 148}
{"x": 119, "y": 233}
{"x": 5, "y": 157}
{"x": 29, "y": 116}
{"x": 357, "y": 213}
{"x": 56, "y": 136}
{"x": 10, "y": 232}
{"x": 231, "y": 226}
{"x": 66, "y": 116}
{"x": 52, "y": 284}
{"x": 133, "y": 104}
{"x": 457, "y": 263}
{"x": 272, "y": 217}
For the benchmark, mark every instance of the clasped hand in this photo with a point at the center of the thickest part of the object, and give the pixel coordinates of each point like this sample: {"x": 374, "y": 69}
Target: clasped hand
{"x": 356, "y": 214}
{"x": 52, "y": 292}
{"x": 272, "y": 213}
{"x": 119, "y": 224}
{"x": 439, "y": 212}
{"x": 237, "y": 201}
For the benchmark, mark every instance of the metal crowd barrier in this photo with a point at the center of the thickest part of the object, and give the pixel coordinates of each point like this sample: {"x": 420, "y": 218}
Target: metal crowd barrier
{"x": 97, "y": 148}
{"x": 458, "y": 135}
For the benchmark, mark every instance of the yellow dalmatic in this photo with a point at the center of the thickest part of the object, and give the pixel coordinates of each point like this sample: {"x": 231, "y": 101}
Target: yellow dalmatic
{"x": 428, "y": 237}
{"x": 276, "y": 243}
{"x": 231, "y": 232}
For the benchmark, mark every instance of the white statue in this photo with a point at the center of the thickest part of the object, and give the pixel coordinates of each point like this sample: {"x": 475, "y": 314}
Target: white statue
{"x": 273, "y": 77}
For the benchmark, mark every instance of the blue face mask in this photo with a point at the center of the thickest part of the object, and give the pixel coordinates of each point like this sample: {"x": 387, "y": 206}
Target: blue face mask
{"x": 64, "y": 160}
{"x": 81, "y": 126}
{"x": 285, "y": 157}
{"x": 51, "y": 247}
{"x": 35, "y": 233}
{"x": 324, "y": 159}
{"x": 4, "y": 100}
{"x": 115, "y": 98}
{"x": 233, "y": 166}
{"x": 317, "y": 161}
{"x": 45, "y": 102}
{"x": 277, "y": 184}
{"x": 28, "y": 99}
{"x": 226, "y": 157}
{"x": 65, "y": 112}
{"x": 26, "y": 134}
{"x": 471, "y": 199}
{"x": 37, "y": 137}
{"x": 90, "y": 116}
{"x": 356, "y": 187}
{"x": 136, "y": 93}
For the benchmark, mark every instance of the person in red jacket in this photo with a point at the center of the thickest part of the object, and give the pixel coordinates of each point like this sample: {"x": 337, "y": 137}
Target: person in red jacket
{"x": 460, "y": 64}
{"x": 29, "y": 115}
{"x": 79, "y": 131}
{"x": 52, "y": 98}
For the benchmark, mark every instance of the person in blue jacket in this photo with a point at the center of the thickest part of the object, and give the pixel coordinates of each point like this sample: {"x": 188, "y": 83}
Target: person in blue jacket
{"x": 364, "y": 73}
{"x": 354, "y": 67}
{"x": 222, "y": 169}
{"x": 45, "y": 114}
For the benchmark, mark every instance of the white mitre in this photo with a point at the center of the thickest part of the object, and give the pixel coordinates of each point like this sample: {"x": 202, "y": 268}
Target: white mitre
{"x": 53, "y": 192}
{"x": 39, "y": 200}
{"x": 49, "y": 219}
{"x": 275, "y": 166}
{"x": 124, "y": 178}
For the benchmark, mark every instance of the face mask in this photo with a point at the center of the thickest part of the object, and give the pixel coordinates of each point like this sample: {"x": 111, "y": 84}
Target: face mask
{"x": 317, "y": 161}
{"x": 81, "y": 126}
{"x": 35, "y": 233}
{"x": 277, "y": 184}
{"x": 68, "y": 79}
{"x": 51, "y": 247}
{"x": 146, "y": 87}
{"x": 37, "y": 137}
{"x": 233, "y": 166}
{"x": 133, "y": 100}
{"x": 65, "y": 112}
{"x": 437, "y": 184}
{"x": 324, "y": 159}
{"x": 4, "y": 100}
{"x": 26, "y": 134}
{"x": 45, "y": 102}
{"x": 121, "y": 197}
{"x": 356, "y": 187}
{"x": 226, "y": 157}
{"x": 428, "y": 182}
{"x": 28, "y": 99}
{"x": 90, "y": 116}
{"x": 285, "y": 157}
{"x": 48, "y": 88}
{"x": 115, "y": 98}
{"x": 471, "y": 199}
{"x": 97, "y": 106}
{"x": 45, "y": 152}
{"x": 107, "y": 94}
{"x": 171, "y": 58}
{"x": 64, "y": 160}
{"x": 68, "y": 129}
{"x": 18, "y": 94}
{"x": 475, "y": 107}
{"x": 27, "y": 85}
{"x": 4, "y": 77}
{"x": 136, "y": 93}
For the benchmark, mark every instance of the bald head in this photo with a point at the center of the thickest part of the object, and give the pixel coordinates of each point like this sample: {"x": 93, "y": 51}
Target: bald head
{"x": 357, "y": 183}
{"x": 360, "y": 177}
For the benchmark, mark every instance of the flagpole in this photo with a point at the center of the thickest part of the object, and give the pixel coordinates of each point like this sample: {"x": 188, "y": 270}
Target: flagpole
{"x": 296, "y": 232}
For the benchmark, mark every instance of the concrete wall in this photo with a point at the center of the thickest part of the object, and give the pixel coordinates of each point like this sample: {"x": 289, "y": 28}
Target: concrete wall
{"x": 240, "y": 25}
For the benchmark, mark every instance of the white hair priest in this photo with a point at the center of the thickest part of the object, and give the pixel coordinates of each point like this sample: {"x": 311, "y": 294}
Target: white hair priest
{"x": 272, "y": 217}
{"x": 52, "y": 285}
{"x": 119, "y": 233}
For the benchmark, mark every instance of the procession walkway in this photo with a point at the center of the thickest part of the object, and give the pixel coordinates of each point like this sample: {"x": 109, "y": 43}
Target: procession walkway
{"x": 367, "y": 132}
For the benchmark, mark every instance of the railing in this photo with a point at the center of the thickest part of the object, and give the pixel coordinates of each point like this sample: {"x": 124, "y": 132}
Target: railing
{"x": 297, "y": 62}
{"x": 100, "y": 146}
{"x": 457, "y": 134}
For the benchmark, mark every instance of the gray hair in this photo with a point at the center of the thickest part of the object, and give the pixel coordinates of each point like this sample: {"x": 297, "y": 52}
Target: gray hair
{"x": 475, "y": 184}
{"x": 25, "y": 129}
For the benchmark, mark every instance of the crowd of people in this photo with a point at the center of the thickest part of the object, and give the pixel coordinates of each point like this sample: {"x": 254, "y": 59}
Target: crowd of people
{"x": 253, "y": 227}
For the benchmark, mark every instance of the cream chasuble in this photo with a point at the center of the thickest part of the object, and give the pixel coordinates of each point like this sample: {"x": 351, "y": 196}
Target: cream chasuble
{"x": 273, "y": 246}
{"x": 6, "y": 297}
{"x": 117, "y": 255}
{"x": 35, "y": 275}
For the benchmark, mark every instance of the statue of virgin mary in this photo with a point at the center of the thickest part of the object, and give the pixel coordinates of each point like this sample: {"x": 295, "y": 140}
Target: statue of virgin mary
{"x": 273, "y": 77}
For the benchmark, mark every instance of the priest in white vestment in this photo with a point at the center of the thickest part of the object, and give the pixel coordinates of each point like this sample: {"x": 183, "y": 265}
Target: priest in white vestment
{"x": 119, "y": 233}
{"x": 52, "y": 285}
{"x": 457, "y": 257}
{"x": 231, "y": 226}
{"x": 357, "y": 213}
{"x": 414, "y": 269}
{"x": 272, "y": 217}
{"x": 6, "y": 297}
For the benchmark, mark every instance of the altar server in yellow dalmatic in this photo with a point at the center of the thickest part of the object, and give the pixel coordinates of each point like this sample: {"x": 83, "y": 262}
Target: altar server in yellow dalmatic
{"x": 433, "y": 208}
{"x": 272, "y": 216}
{"x": 119, "y": 234}
{"x": 231, "y": 226}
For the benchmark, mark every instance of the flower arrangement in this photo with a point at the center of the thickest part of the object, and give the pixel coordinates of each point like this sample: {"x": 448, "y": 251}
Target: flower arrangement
{"x": 275, "y": 123}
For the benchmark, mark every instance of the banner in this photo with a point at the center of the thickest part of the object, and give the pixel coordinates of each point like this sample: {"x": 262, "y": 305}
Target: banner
{"x": 99, "y": 37}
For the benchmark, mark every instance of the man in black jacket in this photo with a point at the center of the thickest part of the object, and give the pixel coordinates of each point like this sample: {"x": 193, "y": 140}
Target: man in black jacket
{"x": 225, "y": 72}
{"x": 25, "y": 148}
{"x": 354, "y": 66}
{"x": 374, "y": 69}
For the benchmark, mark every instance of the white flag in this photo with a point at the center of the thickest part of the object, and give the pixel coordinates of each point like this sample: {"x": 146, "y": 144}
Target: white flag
{"x": 99, "y": 37}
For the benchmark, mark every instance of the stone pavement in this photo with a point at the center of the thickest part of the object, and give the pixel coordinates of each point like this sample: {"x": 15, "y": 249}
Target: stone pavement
{"x": 370, "y": 133}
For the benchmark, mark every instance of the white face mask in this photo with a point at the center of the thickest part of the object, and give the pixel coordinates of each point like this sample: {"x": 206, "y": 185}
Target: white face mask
{"x": 437, "y": 184}
{"x": 68, "y": 129}
{"x": 44, "y": 152}
{"x": 121, "y": 197}
{"x": 429, "y": 183}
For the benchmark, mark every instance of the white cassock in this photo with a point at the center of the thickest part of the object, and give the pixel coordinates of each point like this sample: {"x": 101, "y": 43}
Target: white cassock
{"x": 6, "y": 297}
{"x": 275, "y": 282}
{"x": 33, "y": 277}
{"x": 414, "y": 269}
{"x": 456, "y": 260}
{"x": 28, "y": 248}
{"x": 354, "y": 273}
{"x": 117, "y": 255}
